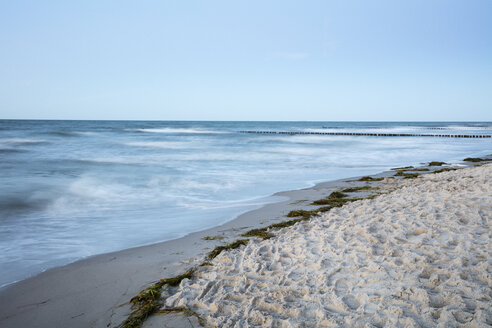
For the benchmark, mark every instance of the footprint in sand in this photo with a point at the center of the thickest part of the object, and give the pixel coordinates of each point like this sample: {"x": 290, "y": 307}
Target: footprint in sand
{"x": 437, "y": 302}
{"x": 351, "y": 302}
{"x": 462, "y": 317}
{"x": 340, "y": 287}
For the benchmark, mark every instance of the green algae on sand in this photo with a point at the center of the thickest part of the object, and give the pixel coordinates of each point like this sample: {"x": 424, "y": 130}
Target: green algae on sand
{"x": 358, "y": 189}
{"x": 368, "y": 178}
{"x": 148, "y": 301}
{"x": 435, "y": 163}
{"x": 475, "y": 159}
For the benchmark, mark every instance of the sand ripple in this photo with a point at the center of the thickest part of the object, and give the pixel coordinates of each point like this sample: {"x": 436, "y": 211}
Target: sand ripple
{"x": 416, "y": 257}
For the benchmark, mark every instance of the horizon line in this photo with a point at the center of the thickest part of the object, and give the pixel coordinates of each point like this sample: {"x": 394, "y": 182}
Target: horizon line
{"x": 163, "y": 120}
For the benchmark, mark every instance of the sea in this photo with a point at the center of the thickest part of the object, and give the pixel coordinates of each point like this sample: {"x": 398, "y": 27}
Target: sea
{"x": 73, "y": 189}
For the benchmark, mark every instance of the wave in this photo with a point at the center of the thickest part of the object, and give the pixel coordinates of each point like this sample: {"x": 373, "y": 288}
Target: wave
{"x": 112, "y": 161}
{"x": 178, "y": 131}
{"x": 471, "y": 127}
{"x": 297, "y": 151}
{"x": 360, "y": 130}
{"x": 404, "y": 129}
{"x": 160, "y": 144}
{"x": 64, "y": 133}
{"x": 20, "y": 141}
{"x": 184, "y": 185}
{"x": 313, "y": 139}
{"x": 93, "y": 195}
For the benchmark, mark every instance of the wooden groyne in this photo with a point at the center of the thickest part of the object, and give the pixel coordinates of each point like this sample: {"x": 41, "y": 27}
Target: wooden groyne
{"x": 373, "y": 134}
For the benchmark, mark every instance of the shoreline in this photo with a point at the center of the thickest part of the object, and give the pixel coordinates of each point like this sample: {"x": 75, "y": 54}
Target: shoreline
{"x": 91, "y": 292}
{"x": 261, "y": 203}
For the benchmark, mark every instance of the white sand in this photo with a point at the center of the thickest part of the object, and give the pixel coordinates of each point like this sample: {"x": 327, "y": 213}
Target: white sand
{"x": 418, "y": 256}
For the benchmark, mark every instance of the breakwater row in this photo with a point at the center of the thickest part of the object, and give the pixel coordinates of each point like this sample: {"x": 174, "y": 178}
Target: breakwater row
{"x": 373, "y": 134}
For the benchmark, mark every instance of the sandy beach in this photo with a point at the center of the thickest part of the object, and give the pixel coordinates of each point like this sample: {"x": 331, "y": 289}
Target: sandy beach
{"x": 418, "y": 256}
{"x": 414, "y": 256}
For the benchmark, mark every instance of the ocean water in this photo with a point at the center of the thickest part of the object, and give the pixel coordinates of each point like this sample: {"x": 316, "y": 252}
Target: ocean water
{"x": 72, "y": 189}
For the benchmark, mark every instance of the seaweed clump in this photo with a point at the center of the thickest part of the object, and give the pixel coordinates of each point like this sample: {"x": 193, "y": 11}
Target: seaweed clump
{"x": 148, "y": 301}
{"x": 260, "y": 233}
{"x": 406, "y": 175}
{"x": 474, "y": 159}
{"x": 323, "y": 209}
{"x": 235, "y": 244}
{"x": 263, "y": 233}
{"x": 357, "y": 189}
{"x": 175, "y": 281}
{"x": 285, "y": 224}
{"x": 436, "y": 163}
{"x": 337, "y": 194}
{"x": 402, "y": 168}
{"x": 368, "y": 178}
{"x": 413, "y": 169}
{"x": 143, "y": 305}
{"x": 335, "y": 199}
{"x": 301, "y": 213}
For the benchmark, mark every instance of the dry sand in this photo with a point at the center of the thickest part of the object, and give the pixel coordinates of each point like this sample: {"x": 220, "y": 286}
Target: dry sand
{"x": 418, "y": 256}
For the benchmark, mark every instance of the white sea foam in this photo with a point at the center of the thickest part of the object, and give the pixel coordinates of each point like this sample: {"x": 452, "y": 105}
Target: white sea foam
{"x": 390, "y": 129}
{"x": 92, "y": 194}
{"x": 87, "y": 133}
{"x": 21, "y": 141}
{"x": 417, "y": 256}
{"x": 179, "y": 130}
{"x": 204, "y": 185}
{"x": 69, "y": 133}
{"x": 297, "y": 151}
{"x": 162, "y": 144}
{"x": 309, "y": 139}
{"x": 466, "y": 128}
{"x": 123, "y": 160}
{"x": 404, "y": 129}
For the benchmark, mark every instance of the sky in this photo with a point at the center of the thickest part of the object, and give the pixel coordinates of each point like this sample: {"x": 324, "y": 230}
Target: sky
{"x": 344, "y": 60}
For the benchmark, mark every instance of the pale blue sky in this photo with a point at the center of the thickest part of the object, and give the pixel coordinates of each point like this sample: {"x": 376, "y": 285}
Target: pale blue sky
{"x": 246, "y": 60}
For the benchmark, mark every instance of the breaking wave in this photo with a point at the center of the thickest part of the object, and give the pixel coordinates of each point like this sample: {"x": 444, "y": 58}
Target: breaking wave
{"x": 178, "y": 131}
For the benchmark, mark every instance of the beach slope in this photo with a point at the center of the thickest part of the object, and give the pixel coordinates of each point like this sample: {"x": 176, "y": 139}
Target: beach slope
{"x": 418, "y": 255}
